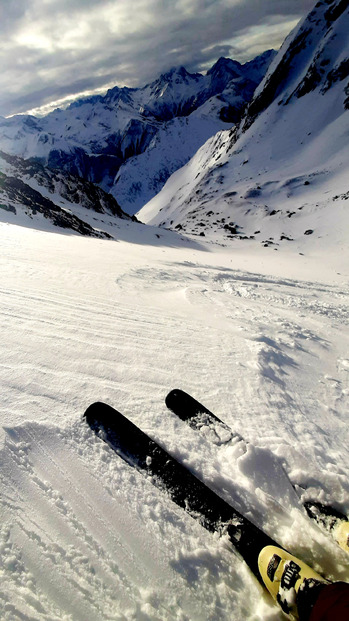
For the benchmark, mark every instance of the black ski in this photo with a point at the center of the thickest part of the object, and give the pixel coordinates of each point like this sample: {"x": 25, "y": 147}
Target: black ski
{"x": 200, "y": 418}
{"x": 183, "y": 487}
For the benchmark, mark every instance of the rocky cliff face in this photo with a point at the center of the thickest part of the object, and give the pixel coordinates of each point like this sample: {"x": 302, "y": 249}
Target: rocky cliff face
{"x": 31, "y": 191}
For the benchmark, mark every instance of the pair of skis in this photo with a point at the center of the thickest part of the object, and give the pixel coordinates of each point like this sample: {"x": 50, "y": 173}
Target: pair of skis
{"x": 183, "y": 487}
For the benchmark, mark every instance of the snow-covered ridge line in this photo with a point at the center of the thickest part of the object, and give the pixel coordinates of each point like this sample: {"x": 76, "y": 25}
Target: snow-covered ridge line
{"x": 310, "y": 57}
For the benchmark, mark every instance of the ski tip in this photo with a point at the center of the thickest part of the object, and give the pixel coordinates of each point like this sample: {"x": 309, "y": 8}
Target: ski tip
{"x": 173, "y": 397}
{"x": 185, "y": 406}
{"x": 182, "y": 404}
{"x": 100, "y": 414}
{"x": 94, "y": 408}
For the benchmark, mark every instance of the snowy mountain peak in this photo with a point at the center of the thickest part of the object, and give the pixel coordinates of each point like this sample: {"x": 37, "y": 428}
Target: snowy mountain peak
{"x": 226, "y": 70}
{"x": 177, "y": 73}
{"x": 257, "y": 68}
{"x": 117, "y": 94}
{"x": 173, "y": 94}
{"x": 225, "y": 67}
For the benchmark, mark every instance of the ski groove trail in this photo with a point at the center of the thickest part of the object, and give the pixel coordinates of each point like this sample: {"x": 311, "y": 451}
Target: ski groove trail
{"x": 86, "y": 538}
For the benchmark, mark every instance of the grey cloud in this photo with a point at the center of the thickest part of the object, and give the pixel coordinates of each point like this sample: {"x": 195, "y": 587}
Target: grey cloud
{"x": 11, "y": 13}
{"x": 93, "y": 43}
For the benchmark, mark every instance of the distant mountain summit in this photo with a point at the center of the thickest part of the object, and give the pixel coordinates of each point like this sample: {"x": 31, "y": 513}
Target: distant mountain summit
{"x": 282, "y": 174}
{"x": 96, "y": 136}
{"x": 225, "y": 69}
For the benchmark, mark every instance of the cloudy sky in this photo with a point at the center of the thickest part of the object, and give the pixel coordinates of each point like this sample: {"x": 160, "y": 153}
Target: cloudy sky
{"x": 52, "y": 51}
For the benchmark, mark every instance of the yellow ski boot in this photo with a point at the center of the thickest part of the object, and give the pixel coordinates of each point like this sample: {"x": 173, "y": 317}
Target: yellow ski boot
{"x": 284, "y": 576}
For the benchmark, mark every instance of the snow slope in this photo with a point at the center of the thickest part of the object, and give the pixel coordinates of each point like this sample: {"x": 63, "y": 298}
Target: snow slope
{"x": 263, "y": 343}
{"x": 260, "y": 337}
{"x": 280, "y": 175}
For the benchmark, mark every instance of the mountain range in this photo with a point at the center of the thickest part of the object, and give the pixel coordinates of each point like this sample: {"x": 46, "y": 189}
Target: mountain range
{"x": 100, "y": 138}
{"x": 255, "y": 151}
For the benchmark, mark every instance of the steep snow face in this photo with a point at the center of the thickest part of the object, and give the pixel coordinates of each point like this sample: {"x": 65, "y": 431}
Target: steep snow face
{"x": 32, "y": 193}
{"x": 313, "y": 57}
{"x": 93, "y": 137}
{"x": 284, "y": 173}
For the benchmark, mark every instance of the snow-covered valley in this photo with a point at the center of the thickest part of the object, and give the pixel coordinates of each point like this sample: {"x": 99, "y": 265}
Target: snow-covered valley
{"x": 260, "y": 337}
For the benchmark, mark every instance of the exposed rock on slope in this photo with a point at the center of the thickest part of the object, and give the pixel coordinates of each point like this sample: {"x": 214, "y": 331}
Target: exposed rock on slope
{"x": 306, "y": 61}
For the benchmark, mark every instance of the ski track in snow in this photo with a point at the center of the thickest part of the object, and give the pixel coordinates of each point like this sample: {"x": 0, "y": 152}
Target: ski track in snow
{"x": 85, "y": 537}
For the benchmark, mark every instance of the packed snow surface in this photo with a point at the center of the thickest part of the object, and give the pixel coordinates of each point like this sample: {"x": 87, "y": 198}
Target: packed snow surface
{"x": 259, "y": 336}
